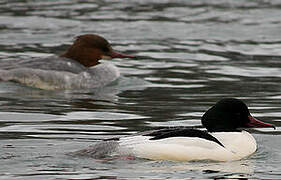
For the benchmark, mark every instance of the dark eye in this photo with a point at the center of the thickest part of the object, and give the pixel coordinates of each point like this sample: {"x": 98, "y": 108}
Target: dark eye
{"x": 105, "y": 49}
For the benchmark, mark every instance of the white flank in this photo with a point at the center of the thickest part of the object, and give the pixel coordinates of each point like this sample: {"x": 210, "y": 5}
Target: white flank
{"x": 237, "y": 146}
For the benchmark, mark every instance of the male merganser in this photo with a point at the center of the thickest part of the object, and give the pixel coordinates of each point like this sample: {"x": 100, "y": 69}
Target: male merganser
{"x": 78, "y": 67}
{"x": 223, "y": 140}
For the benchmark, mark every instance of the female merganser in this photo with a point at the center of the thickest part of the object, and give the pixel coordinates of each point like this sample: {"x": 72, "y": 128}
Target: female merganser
{"x": 78, "y": 67}
{"x": 223, "y": 140}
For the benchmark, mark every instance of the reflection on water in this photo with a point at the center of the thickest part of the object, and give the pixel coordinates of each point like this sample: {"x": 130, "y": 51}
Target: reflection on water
{"x": 190, "y": 54}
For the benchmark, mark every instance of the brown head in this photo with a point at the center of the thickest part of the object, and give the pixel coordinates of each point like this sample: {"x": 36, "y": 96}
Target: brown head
{"x": 88, "y": 49}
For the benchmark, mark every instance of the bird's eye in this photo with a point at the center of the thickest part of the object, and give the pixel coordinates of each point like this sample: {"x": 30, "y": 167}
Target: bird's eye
{"x": 105, "y": 49}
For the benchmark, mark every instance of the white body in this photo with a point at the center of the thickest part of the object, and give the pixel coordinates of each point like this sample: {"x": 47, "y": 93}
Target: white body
{"x": 237, "y": 145}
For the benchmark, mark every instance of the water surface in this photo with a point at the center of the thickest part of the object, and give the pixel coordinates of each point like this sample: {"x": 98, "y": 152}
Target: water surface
{"x": 190, "y": 54}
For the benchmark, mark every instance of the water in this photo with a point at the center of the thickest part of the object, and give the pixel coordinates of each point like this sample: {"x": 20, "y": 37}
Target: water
{"x": 190, "y": 54}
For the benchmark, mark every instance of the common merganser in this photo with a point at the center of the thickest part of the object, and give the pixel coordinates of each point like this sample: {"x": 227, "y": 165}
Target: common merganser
{"x": 223, "y": 141}
{"x": 78, "y": 67}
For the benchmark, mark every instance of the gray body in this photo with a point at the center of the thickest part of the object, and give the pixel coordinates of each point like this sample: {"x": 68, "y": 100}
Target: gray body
{"x": 57, "y": 73}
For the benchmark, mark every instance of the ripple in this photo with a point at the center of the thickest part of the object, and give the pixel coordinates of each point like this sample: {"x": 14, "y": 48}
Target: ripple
{"x": 101, "y": 116}
{"x": 190, "y": 54}
{"x": 247, "y": 71}
{"x": 9, "y": 117}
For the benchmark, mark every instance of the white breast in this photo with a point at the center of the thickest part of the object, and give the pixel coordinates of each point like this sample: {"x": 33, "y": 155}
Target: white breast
{"x": 242, "y": 143}
{"x": 237, "y": 146}
{"x": 98, "y": 76}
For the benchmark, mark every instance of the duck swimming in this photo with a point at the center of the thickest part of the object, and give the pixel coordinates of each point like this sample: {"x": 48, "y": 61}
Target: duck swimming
{"x": 78, "y": 67}
{"x": 224, "y": 140}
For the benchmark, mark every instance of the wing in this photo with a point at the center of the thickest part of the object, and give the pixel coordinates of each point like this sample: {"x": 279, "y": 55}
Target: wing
{"x": 48, "y": 63}
{"x": 181, "y": 132}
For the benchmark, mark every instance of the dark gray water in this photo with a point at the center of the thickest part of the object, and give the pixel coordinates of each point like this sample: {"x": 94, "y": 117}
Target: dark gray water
{"x": 191, "y": 54}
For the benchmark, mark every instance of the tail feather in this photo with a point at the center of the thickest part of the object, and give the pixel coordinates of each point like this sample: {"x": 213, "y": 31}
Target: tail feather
{"x": 98, "y": 151}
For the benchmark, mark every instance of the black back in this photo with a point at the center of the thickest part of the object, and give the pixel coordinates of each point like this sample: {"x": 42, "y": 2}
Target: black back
{"x": 181, "y": 132}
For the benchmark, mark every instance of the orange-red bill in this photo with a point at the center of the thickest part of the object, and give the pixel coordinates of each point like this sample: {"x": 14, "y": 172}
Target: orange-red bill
{"x": 257, "y": 123}
{"x": 115, "y": 54}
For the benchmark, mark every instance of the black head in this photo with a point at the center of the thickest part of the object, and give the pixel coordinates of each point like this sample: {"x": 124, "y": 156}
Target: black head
{"x": 228, "y": 115}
